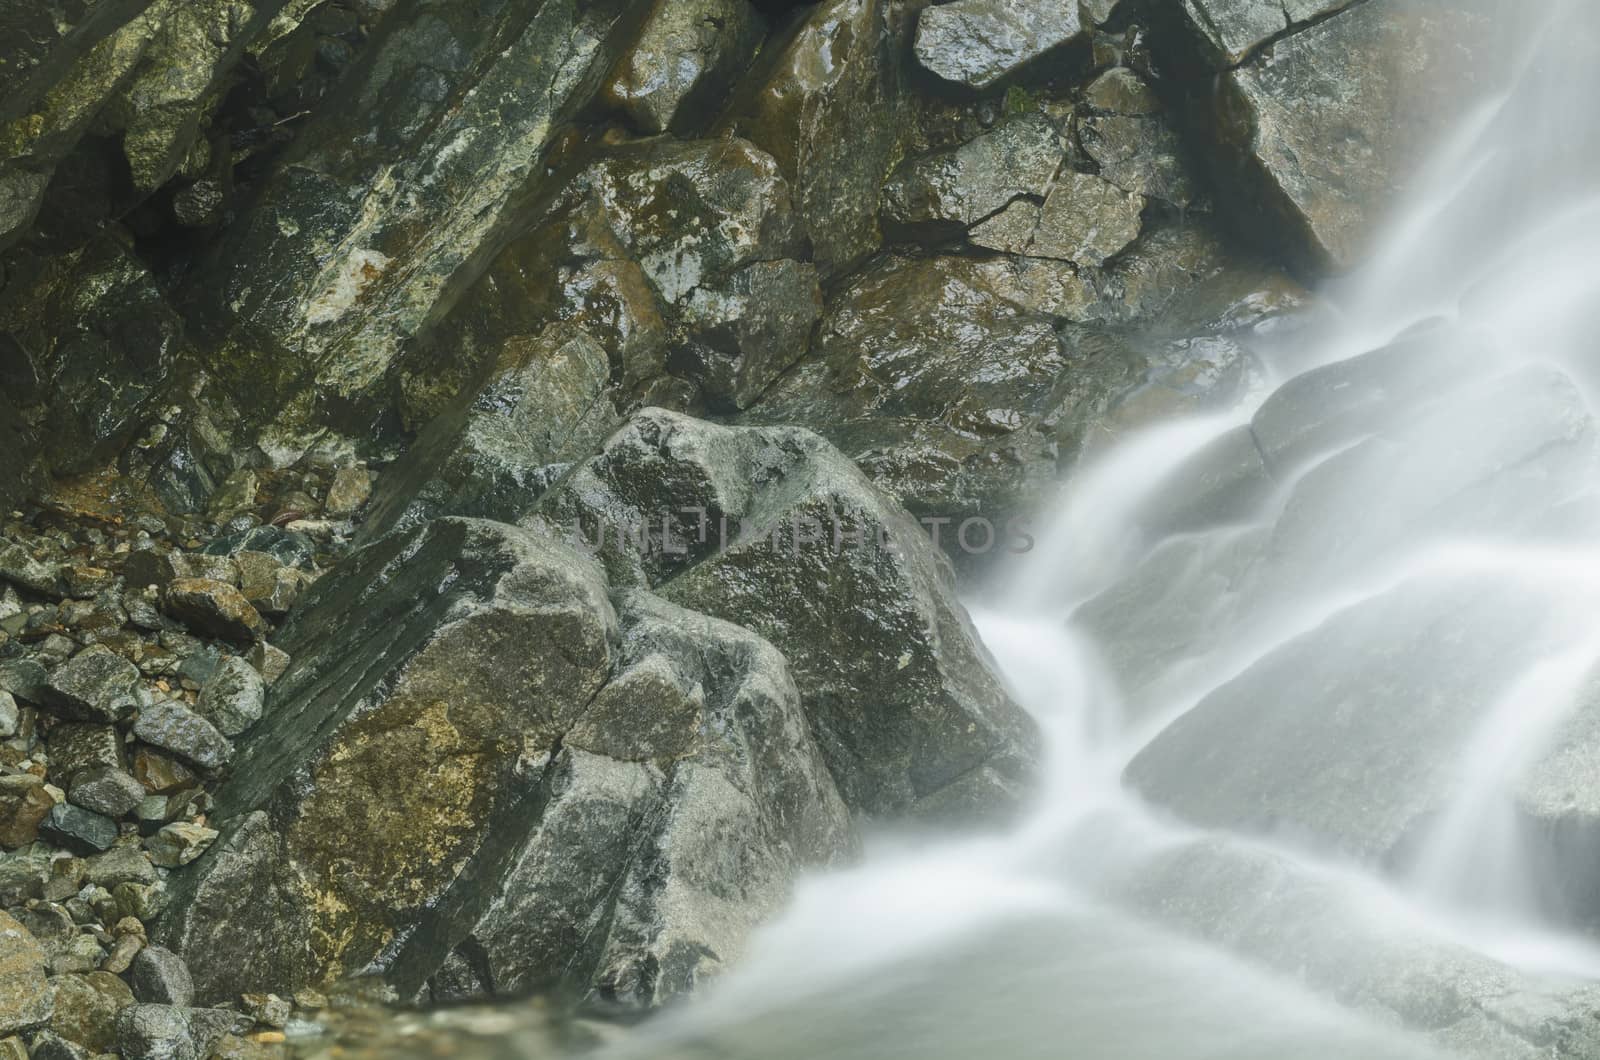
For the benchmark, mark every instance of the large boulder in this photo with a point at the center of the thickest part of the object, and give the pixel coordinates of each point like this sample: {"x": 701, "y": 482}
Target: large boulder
{"x": 675, "y": 818}
{"x": 774, "y": 529}
{"x": 431, "y": 675}
{"x": 470, "y": 755}
{"x": 1230, "y": 31}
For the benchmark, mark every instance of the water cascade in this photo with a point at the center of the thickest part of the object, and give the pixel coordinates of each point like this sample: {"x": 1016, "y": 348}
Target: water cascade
{"x": 1320, "y": 677}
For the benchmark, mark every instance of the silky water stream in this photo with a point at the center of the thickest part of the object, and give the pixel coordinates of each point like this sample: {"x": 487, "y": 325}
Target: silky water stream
{"x": 1320, "y": 680}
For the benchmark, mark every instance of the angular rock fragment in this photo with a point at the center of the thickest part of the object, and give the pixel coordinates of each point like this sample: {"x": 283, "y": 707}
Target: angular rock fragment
{"x": 468, "y": 648}
{"x": 78, "y": 830}
{"x": 966, "y": 184}
{"x": 977, "y": 43}
{"x": 212, "y": 607}
{"x": 96, "y": 684}
{"x": 1084, "y": 219}
{"x": 173, "y": 727}
{"x": 232, "y": 699}
{"x": 25, "y": 1000}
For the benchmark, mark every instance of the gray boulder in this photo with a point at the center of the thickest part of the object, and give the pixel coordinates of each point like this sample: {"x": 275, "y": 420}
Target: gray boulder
{"x": 160, "y": 977}
{"x": 965, "y": 184}
{"x": 773, "y": 529}
{"x": 432, "y": 674}
{"x": 232, "y": 698}
{"x": 166, "y": 1032}
{"x": 676, "y": 817}
{"x": 96, "y": 684}
{"x": 1229, "y": 31}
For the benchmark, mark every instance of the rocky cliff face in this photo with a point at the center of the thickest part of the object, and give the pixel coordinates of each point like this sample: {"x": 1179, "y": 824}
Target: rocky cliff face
{"x": 488, "y": 480}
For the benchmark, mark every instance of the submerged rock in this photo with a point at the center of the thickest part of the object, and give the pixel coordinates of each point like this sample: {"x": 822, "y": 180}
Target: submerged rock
{"x": 25, "y": 999}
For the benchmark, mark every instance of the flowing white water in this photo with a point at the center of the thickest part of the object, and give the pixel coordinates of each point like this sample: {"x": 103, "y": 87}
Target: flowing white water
{"x": 1314, "y": 770}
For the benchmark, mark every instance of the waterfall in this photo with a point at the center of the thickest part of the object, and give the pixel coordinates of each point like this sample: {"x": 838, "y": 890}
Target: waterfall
{"x": 1316, "y": 762}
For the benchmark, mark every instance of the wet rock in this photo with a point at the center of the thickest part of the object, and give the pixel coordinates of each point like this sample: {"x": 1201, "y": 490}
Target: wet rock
{"x": 1130, "y": 140}
{"x": 269, "y": 1010}
{"x": 101, "y": 340}
{"x": 212, "y": 607}
{"x": 1230, "y": 30}
{"x": 166, "y": 1032}
{"x": 966, "y": 184}
{"x": 106, "y": 790}
{"x": 24, "y": 804}
{"x": 270, "y": 662}
{"x": 78, "y": 830}
{"x": 945, "y": 380}
{"x": 287, "y": 547}
{"x": 774, "y": 568}
{"x": 22, "y": 569}
{"x": 10, "y": 715}
{"x": 159, "y": 976}
{"x": 450, "y": 107}
{"x": 1084, "y": 219}
{"x": 348, "y": 492}
{"x": 828, "y": 105}
{"x": 462, "y": 679}
{"x": 746, "y": 330}
{"x": 160, "y": 774}
{"x": 25, "y": 1000}
{"x": 1386, "y": 76}
{"x": 123, "y": 863}
{"x": 696, "y": 747}
{"x": 490, "y": 454}
{"x": 685, "y": 61}
{"x": 173, "y": 727}
{"x": 270, "y": 587}
{"x": 977, "y": 43}
{"x": 26, "y": 678}
{"x": 47, "y": 117}
{"x": 232, "y": 699}
{"x": 86, "y": 1009}
{"x": 80, "y": 746}
{"x": 199, "y": 205}
{"x": 179, "y": 844}
{"x": 712, "y": 227}
{"x": 97, "y": 684}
